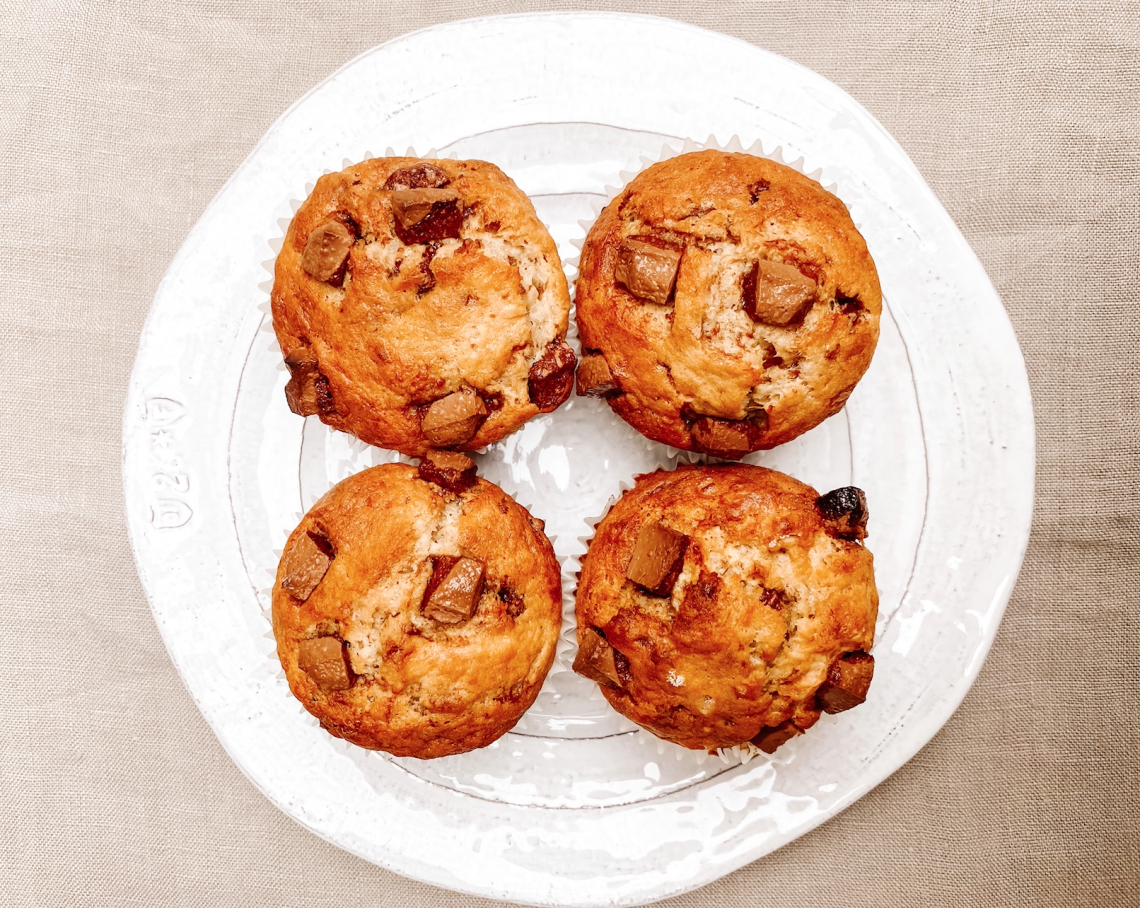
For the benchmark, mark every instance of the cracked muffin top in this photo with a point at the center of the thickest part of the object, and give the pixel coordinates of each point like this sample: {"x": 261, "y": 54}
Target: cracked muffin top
{"x": 421, "y": 304}
{"x": 725, "y": 304}
{"x": 417, "y": 611}
{"x": 725, "y": 604}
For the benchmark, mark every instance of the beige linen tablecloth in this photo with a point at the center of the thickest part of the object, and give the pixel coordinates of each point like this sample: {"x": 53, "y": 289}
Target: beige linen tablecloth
{"x": 121, "y": 120}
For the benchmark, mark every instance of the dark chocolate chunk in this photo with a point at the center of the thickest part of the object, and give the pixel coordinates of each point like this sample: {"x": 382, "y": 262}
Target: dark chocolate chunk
{"x": 323, "y": 395}
{"x": 453, "y": 419}
{"x": 776, "y": 294}
{"x": 305, "y": 565}
{"x": 595, "y": 378}
{"x": 848, "y": 680}
{"x": 844, "y": 512}
{"x": 417, "y": 176}
{"x": 551, "y": 378}
{"x": 326, "y": 251}
{"x": 647, "y": 270}
{"x": 452, "y": 471}
{"x": 772, "y": 737}
{"x": 657, "y": 559}
{"x": 595, "y": 659}
{"x": 454, "y": 590}
{"x": 323, "y": 660}
{"x": 426, "y": 215}
{"x": 301, "y": 389}
{"x": 851, "y": 305}
{"x": 755, "y": 189}
{"x": 721, "y": 437}
{"x": 515, "y": 603}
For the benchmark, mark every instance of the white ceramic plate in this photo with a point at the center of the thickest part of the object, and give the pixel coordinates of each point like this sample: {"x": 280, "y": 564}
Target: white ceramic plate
{"x": 576, "y": 806}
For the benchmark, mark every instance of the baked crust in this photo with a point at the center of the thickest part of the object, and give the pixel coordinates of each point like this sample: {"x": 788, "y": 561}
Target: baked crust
{"x": 421, "y": 687}
{"x": 400, "y": 325}
{"x": 702, "y": 354}
{"x": 767, "y": 601}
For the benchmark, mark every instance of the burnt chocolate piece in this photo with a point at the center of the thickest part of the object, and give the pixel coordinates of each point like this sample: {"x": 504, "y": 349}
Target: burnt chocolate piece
{"x": 453, "y": 419}
{"x": 326, "y": 252}
{"x": 646, "y": 270}
{"x": 426, "y": 215}
{"x": 657, "y": 559}
{"x": 551, "y": 378}
{"x": 596, "y": 660}
{"x": 454, "y": 590}
{"x": 772, "y": 737}
{"x": 844, "y": 513}
{"x": 847, "y": 682}
{"x": 306, "y": 565}
{"x": 418, "y": 176}
{"x": 595, "y": 378}
{"x": 301, "y": 389}
{"x": 452, "y": 471}
{"x": 323, "y": 660}
{"x": 776, "y": 294}
{"x": 721, "y": 437}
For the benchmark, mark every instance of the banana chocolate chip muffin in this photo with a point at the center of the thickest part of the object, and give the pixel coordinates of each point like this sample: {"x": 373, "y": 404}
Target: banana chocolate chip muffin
{"x": 417, "y": 611}
{"x": 422, "y": 304}
{"x": 725, "y": 303}
{"x": 725, "y": 604}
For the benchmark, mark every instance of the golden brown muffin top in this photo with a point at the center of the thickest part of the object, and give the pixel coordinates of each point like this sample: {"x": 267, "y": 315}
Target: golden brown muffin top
{"x": 402, "y": 282}
{"x": 772, "y": 590}
{"x": 377, "y": 566}
{"x": 732, "y": 300}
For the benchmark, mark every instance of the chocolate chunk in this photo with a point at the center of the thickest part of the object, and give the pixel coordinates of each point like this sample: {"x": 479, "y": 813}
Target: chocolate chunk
{"x": 851, "y": 305}
{"x": 452, "y": 471}
{"x": 772, "y": 737}
{"x": 418, "y": 176}
{"x": 657, "y": 559}
{"x": 776, "y": 294}
{"x": 551, "y": 378}
{"x": 755, "y": 189}
{"x": 426, "y": 215}
{"x": 847, "y": 682}
{"x": 322, "y": 659}
{"x": 454, "y": 419}
{"x": 301, "y": 389}
{"x": 844, "y": 512}
{"x": 454, "y": 590}
{"x": 721, "y": 437}
{"x": 515, "y": 603}
{"x": 646, "y": 270}
{"x": 323, "y": 395}
{"x": 305, "y": 565}
{"x": 595, "y": 378}
{"x": 595, "y": 660}
{"x": 326, "y": 252}
{"x": 775, "y": 599}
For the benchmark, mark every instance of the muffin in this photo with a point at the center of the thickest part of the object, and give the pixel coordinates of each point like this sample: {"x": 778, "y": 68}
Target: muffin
{"x": 724, "y": 604}
{"x": 725, "y": 304}
{"x": 417, "y": 611}
{"x": 421, "y": 304}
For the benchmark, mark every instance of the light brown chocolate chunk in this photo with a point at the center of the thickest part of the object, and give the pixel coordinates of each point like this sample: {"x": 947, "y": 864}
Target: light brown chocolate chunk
{"x": 776, "y": 294}
{"x": 721, "y": 437}
{"x": 418, "y": 176}
{"x": 647, "y": 271}
{"x": 594, "y": 377}
{"x": 305, "y": 565}
{"x": 551, "y": 378}
{"x": 848, "y": 681}
{"x": 657, "y": 559}
{"x": 453, "y": 419}
{"x": 327, "y": 250}
{"x": 595, "y": 660}
{"x": 301, "y": 389}
{"x": 771, "y": 738}
{"x": 454, "y": 590}
{"x": 322, "y": 659}
{"x": 449, "y": 470}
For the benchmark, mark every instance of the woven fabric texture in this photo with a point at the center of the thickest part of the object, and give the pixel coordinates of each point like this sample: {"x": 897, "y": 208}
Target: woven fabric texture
{"x": 121, "y": 120}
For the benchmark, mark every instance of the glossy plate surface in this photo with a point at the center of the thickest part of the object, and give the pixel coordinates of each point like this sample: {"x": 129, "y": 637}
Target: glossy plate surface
{"x": 575, "y": 806}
